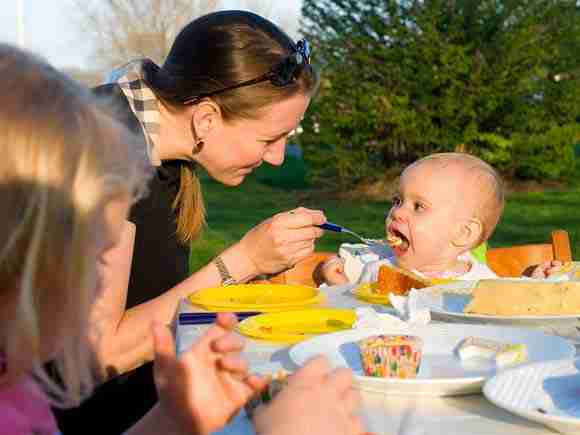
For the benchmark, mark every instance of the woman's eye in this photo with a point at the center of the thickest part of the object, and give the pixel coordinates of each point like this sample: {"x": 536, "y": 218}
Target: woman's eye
{"x": 396, "y": 201}
{"x": 419, "y": 207}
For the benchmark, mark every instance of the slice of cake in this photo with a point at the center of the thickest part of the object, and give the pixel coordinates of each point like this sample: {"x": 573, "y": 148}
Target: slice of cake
{"x": 524, "y": 298}
{"x": 392, "y": 279}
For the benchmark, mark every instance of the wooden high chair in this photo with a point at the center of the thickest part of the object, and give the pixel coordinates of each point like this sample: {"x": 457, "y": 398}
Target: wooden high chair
{"x": 513, "y": 261}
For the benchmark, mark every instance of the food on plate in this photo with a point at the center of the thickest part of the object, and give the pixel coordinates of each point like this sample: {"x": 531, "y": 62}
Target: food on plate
{"x": 524, "y": 298}
{"x": 399, "y": 281}
{"x": 275, "y": 385}
{"x": 502, "y": 353}
{"x": 391, "y": 356}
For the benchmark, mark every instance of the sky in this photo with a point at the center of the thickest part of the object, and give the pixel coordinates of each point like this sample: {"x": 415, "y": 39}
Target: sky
{"x": 51, "y": 28}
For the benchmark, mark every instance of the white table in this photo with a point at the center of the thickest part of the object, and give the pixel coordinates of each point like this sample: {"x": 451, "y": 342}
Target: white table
{"x": 388, "y": 415}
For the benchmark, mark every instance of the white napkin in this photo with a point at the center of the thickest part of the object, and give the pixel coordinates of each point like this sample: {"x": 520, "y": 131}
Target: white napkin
{"x": 410, "y": 313}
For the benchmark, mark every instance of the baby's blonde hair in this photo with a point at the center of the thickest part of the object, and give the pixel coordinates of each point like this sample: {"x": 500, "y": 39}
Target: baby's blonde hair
{"x": 63, "y": 158}
{"x": 490, "y": 208}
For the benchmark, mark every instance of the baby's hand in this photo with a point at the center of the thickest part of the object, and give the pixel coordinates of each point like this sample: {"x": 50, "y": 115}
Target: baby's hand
{"x": 332, "y": 271}
{"x": 546, "y": 269}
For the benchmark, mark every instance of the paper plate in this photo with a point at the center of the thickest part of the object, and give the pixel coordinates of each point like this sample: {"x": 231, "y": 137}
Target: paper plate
{"x": 441, "y": 373}
{"x": 364, "y": 292}
{"x": 546, "y": 393}
{"x": 297, "y": 325}
{"x": 256, "y": 297}
{"x": 448, "y": 301}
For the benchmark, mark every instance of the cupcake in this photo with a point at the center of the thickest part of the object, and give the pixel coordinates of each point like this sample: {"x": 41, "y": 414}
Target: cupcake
{"x": 391, "y": 356}
{"x": 276, "y": 383}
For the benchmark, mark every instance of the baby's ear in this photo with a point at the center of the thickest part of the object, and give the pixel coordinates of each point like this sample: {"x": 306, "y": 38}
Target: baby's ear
{"x": 468, "y": 234}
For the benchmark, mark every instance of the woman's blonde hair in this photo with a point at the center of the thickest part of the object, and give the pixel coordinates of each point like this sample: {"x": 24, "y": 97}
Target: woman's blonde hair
{"x": 216, "y": 51}
{"x": 63, "y": 158}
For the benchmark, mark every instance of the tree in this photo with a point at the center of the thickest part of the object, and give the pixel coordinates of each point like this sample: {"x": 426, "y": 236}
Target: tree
{"x": 404, "y": 78}
{"x": 126, "y": 29}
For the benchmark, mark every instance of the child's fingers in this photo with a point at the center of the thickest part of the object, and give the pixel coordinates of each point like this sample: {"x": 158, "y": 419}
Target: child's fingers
{"x": 164, "y": 348}
{"x": 313, "y": 371}
{"x": 334, "y": 260}
{"x": 233, "y": 363}
{"x": 352, "y": 400}
{"x": 256, "y": 382}
{"x": 340, "y": 380}
{"x": 228, "y": 343}
{"x": 227, "y": 321}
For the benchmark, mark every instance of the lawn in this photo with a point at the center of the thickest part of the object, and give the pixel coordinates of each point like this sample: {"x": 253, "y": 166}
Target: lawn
{"x": 528, "y": 217}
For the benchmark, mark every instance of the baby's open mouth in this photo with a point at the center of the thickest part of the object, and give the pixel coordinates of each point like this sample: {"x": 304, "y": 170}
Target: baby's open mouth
{"x": 398, "y": 240}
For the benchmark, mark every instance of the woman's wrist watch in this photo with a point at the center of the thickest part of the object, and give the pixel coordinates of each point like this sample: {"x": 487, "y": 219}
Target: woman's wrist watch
{"x": 226, "y": 276}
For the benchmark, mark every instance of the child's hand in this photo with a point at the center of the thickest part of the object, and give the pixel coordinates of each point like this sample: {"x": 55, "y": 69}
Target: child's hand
{"x": 203, "y": 389}
{"x": 546, "y": 269}
{"x": 315, "y": 401}
{"x": 332, "y": 271}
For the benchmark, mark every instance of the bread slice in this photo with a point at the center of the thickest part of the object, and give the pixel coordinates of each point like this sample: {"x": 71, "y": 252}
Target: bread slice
{"x": 399, "y": 281}
{"x": 524, "y": 298}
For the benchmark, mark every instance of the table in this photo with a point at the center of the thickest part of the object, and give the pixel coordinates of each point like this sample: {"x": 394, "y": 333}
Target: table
{"x": 388, "y": 415}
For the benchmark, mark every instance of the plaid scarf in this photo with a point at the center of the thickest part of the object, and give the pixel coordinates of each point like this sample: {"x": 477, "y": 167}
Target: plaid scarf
{"x": 143, "y": 102}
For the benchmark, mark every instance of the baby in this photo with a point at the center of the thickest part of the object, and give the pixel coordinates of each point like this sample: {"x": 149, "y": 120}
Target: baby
{"x": 446, "y": 205}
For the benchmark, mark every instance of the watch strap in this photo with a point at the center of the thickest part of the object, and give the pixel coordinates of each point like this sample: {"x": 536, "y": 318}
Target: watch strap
{"x": 226, "y": 276}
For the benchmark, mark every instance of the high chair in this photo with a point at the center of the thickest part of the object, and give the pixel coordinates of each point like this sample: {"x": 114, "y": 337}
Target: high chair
{"x": 518, "y": 260}
{"x": 512, "y": 261}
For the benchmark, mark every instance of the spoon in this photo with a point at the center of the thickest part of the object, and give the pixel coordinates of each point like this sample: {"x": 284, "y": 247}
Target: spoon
{"x": 339, "y": 229}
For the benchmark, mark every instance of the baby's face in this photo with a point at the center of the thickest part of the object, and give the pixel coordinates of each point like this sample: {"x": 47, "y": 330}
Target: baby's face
{"x": 431, "y": 203}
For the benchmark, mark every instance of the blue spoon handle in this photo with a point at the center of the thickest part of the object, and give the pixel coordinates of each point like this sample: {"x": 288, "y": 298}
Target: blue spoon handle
{"x": 331, "y": 227}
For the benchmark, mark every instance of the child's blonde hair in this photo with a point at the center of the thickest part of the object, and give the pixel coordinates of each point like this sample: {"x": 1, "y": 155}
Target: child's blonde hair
{"x": 491, "y": 185}
{"x": 62, "y": 159}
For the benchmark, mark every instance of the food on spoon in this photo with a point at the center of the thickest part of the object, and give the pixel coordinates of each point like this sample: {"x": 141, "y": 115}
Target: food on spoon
{"x": 503, "y": 354}
{"x": 398, "y": 281}
{"x": 276, "y": 383}
{"x": 394, "y": 240}
{"x": 391, "y": 356}
{"x": 524, "y": 298}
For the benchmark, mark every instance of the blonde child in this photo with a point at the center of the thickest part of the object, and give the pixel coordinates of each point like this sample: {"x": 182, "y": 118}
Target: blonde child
{"x": 68, "y": 174}
{"x": 446, "y": 205}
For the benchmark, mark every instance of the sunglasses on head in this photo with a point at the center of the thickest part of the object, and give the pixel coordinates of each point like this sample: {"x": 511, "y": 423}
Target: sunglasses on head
{"x": 280, "y": 75}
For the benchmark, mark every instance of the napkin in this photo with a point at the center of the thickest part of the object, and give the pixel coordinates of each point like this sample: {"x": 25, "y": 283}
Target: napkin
{"x": 409, "y": 313}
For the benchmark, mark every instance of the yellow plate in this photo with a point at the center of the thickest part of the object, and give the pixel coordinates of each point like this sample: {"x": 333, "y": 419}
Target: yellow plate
{"x": 364, "y": 292}
{"x": 298, "y": 325}
{"x": 256, "y": 297}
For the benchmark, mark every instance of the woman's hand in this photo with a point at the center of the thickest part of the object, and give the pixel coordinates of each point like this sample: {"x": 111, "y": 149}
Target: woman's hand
{"x": 282, "y": 240}
{"x": 203, "y": 389}
{"x": 315, "y": 401}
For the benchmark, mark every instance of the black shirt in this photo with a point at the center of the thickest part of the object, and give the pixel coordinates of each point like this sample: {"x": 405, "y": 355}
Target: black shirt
{"x": 160, "y": 262}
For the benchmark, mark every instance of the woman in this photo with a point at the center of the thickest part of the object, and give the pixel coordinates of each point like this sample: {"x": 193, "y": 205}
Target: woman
{"x": 232, "y": 89}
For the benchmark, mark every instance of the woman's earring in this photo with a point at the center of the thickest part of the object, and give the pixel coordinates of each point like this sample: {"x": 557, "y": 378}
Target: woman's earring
{"x": 197, "y": 147}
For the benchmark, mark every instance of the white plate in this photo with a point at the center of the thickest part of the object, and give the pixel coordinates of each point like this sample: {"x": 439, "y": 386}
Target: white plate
{"x": 548, "y": 393}
{"x": 447, "y": 301}
{"x": 441, "y": 372}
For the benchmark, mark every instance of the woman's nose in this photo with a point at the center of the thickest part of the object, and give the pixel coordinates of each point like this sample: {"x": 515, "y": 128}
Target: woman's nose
{"x": 275, "y": 153}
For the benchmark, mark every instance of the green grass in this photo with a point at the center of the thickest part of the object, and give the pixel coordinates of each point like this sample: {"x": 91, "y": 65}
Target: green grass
{"x": 528, "y": 217}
